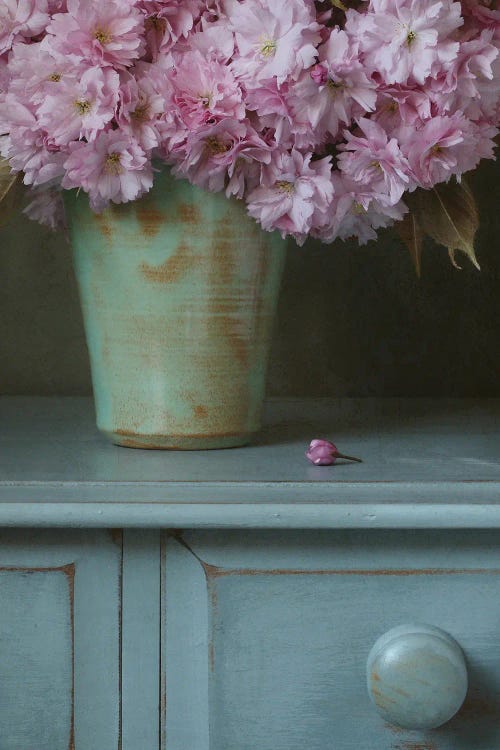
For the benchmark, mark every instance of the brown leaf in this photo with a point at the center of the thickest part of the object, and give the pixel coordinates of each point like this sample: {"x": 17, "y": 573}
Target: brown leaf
{"x": 448, "y": 214}
{"x": 10, "y": 191}
{"x": 411, "y": 234}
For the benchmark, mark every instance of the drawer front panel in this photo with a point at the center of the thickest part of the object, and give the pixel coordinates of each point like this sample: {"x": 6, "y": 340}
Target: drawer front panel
{"x": 281, "y": 625}
{"x": 36, "y": 647}
{"x": 60, "y": 601}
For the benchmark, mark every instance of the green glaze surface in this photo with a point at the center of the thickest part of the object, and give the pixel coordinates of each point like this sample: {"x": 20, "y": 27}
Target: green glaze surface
{"x": 178, "y": 293}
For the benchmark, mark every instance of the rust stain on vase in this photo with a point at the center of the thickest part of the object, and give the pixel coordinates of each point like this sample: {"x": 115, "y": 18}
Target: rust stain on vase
{"x": 104, "y": 226}
{"x": 225, "y": 314}
{"x": 201, "y": 411}
{"x": 150, "y": 219}
{"x": 263, "y": 318}
{"x": 236, "y": 339}
{"x": 197, "y": 435}
{"x": 129, "y": 443}
{"x": 189, "y": 213}
{"x": 172, "y": 269}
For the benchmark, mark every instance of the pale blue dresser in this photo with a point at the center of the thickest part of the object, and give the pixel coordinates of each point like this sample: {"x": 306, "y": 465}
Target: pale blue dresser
{"x": 230, "y": 600}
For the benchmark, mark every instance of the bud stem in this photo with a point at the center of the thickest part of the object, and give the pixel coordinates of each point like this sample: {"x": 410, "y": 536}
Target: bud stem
{"x": 348, "y": 458}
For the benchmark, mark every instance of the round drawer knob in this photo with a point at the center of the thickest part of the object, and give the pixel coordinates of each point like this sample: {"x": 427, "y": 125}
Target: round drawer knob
{"x": 417, "y": 676}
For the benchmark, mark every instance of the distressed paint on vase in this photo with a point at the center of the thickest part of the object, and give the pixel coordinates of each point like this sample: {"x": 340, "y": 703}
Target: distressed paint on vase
{"x": 178, "y": 292}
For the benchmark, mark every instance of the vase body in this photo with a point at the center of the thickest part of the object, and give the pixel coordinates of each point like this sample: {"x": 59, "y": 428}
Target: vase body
{"x": 178, "y": 293}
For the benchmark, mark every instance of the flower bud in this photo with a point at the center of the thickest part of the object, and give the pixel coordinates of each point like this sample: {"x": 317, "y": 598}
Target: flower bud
{"x": 319, "y": 74}
{"x": 322, "y": 453}
{"x": 325, "y": 453}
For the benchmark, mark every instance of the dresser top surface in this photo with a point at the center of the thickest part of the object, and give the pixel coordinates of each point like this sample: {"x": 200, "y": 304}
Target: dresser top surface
{"x": 415, "y": 452}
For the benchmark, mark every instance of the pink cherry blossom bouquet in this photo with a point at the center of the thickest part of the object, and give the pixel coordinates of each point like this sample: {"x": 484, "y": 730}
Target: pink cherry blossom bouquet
{"x": 323, "y": 118}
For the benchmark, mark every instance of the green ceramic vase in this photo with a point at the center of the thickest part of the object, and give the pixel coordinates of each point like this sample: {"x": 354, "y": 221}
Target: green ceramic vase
{"x": 178, "y": 292}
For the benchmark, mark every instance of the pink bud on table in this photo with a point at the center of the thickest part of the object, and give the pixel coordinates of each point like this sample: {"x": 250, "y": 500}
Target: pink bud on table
{"x": 325, "y": 453}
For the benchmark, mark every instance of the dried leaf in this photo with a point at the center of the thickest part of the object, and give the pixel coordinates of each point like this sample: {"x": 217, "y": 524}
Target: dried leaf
{"x": 411, "y": 234}
{"x": 10, "y": 191}
{"x": 448, "y": 214}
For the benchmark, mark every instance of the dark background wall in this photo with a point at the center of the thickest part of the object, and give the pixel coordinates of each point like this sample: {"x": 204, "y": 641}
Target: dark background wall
{"x": 351, "y": 322}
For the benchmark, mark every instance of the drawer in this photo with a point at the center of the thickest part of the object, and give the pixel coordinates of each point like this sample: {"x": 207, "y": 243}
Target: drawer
{"x": 60, "y": 605}
{"x": 265, "y": 635}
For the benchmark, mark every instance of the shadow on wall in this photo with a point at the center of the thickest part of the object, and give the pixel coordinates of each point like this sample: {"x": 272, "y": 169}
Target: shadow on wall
{"x": 351, "y": 322}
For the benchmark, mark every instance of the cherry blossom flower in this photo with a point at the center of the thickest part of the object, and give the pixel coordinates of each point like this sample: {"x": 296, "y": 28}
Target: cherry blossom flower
{"x": 469, "y": 84}
{"x": 405, "y": 40}
{"x": 357, "y": 212}
{"x": 400, "y": 107}
{"x": 166, "y": 22}
{"x": 101, "y": 33}
{"x": 274, "y": 39}
{"x": 80, "y": 107}
{"x": 446, "y": 146}
{"x": 205, "y": 91}
{"x": 112, "y": 168}
{"x": 28, "y": 148}
{"x": 21, "y": 19}
{"x": 297, "y": 195}
{"x": 211, "y": 154}
{"x": 372, "y": 159}
{"x": 334, "y": 91}
{"x": 141, "y": 106}
{"x": 36, "y": 71}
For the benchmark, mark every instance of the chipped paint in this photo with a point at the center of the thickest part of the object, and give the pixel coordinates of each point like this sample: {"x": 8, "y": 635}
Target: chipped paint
{"x": 218, "y": 572}
{"x": 69, "y": 572}
{"x": 211, "y": 655}
{"x": 116, "y": 537}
